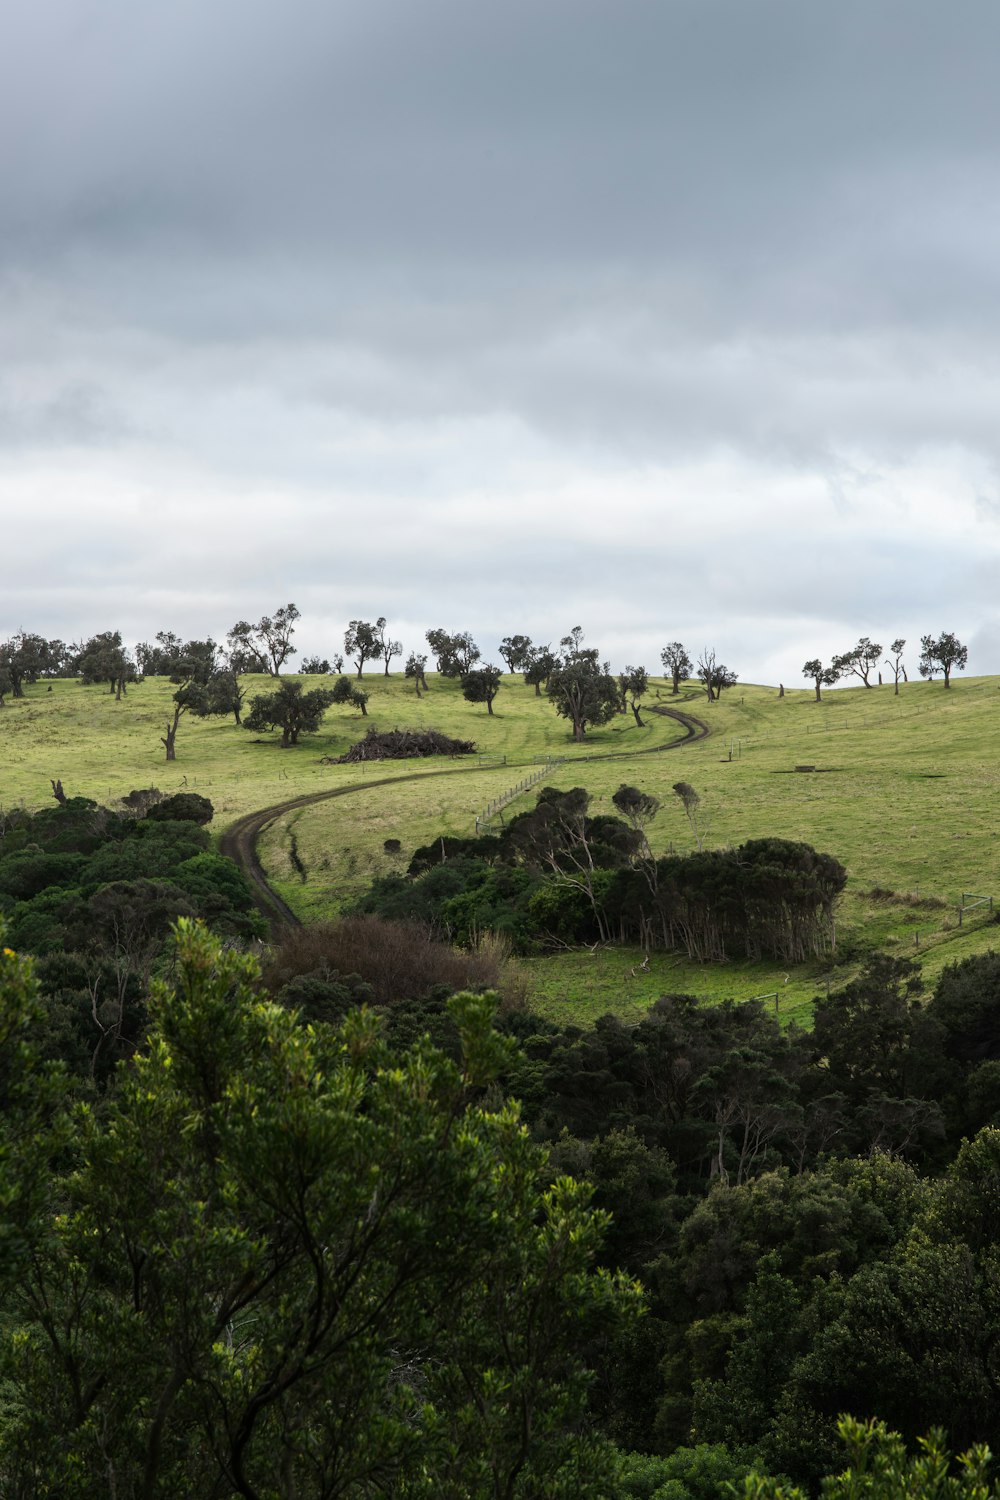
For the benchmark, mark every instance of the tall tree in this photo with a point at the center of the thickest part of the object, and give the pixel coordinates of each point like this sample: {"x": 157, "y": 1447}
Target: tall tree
{"x": 289, "y": 709}
{"x": 363, "y": 642}
{"x": 104, "y": 659}
{"x": 676, "y": 664}
{"x": 25, "y": 657}
{"x": 516, "y": 652}
{"x": 634, "y": 684}
{"x": 266, "y": 646}
{"x": 540, "y": 663}
{"x": 583, "y": 690}
{"x": 481, "y": 685}
{"x": 944, "y": 654}
{"x": 860, "y": 661}
{"x": 415, "y": 671}
{"x": 821, "y": 676}
{"x": 454, "y": 654}
{"x": 714, "y": 675}
{"x": 895, "y": 662}
{"x": 388, "y": 648}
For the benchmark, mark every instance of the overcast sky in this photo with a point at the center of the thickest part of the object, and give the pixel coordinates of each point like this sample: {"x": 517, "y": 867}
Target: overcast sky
{"x": 676, "y": 319}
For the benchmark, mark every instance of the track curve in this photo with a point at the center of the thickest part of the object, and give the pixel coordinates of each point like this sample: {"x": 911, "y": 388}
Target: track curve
{"x": 239, "y": 841}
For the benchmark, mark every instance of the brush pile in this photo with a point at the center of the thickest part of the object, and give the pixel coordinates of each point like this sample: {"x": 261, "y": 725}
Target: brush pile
{"x": 403, "y": 744}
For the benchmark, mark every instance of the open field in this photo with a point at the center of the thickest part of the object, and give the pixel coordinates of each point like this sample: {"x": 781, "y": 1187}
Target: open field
{"x": 903, "y": 791}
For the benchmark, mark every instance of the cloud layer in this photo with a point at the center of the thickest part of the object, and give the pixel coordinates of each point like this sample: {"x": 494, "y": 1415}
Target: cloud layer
{"x": 674, "y": 318}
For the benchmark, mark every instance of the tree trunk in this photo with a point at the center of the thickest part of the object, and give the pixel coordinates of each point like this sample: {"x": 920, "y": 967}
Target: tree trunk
{"x": 489, "y": 706}
{"x": 818, "y": 697}
{"x": 364, "y": 710}
{"x": 538, "y": 690}
{"x": 638, "y": 722}
{"x": 170, "y": 737}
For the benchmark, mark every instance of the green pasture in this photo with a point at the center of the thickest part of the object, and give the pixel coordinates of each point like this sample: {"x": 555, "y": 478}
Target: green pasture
{"x": 902, "y": 789}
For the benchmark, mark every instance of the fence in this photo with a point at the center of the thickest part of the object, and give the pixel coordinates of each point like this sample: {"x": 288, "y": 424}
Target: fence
{"x": 495, "y": 808}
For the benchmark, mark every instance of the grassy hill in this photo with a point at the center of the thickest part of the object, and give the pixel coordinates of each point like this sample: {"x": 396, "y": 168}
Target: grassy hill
{"x": 903, "y": 791}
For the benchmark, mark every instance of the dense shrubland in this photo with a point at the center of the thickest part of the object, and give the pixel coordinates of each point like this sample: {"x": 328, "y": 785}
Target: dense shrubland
{"x": 559, "y": 875}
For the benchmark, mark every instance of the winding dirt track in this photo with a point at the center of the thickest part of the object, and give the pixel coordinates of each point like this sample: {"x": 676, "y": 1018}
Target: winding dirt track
{"x": 239, "y": 841}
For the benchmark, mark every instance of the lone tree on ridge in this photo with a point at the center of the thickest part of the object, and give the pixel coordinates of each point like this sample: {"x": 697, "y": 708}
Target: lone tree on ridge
{"x": 944, "y": 654}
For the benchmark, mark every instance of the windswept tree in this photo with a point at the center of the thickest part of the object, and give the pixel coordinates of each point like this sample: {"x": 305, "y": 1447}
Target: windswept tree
{"x": 541, "y": 662}
{"x": 895, "y": 662}
{"x": 415, "y": 671}
{"x": 362, "y": 642}
{"x": 181, "y": 661}
{"x": 944, "y": 654}
{"x": 860, "y": 661}
{"x": 321, "y": 666}
{"x": 454, "y": 654}
{"x": 638, "y": 808}
{"x": 572, "y": 644}
{"x": 516, "y": 652}
{"x": 481, "y": 685}
{"x": 583, "y": 690}
{"x": 104, "y": 659}
{"x": 266, "y": 646}
{"x": 219, "y": 696}
{"x": 26, "y": 657}
{"x": 821, "y": 676}
{"x": 676, "y": 664}
{"x": 634, "y": 685}
{"x": 387, "y": 647}
{"x": 691, "y": 802}
{"x": 290, "y": 709}
{"x": 346, "y": 691}
{"x": 714, "y": 676}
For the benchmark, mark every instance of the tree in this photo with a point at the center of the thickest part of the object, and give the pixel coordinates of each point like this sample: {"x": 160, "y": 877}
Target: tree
{"x": 362, "y": 642}
{"x": 583, "y": 690}
{"x": 946, "y": 653}
{"x": 345, "y": 691}
{"x": 289, "y": 709}
{"x": 714, "y": 675}
{"x": 516, "y": 652}
{"x": 540, "y": 663}
{"x": 320, "y": 666}
{"x": 454, "y": 654}
{"x": 104, "y": 659}
{"x": 691, "y": 803}
{"x": 895, "y": 661}
{"x": 481, "y": 685}
{"x": 415, "y": 671}
{"x": 676, "y": 663}
{"x": 266, "y": 646}
{"x": 25, "y": 657}
{"x": 821, "y": 676}
{"x": 387, "y": 648}
{"x": 220, "y": 695}
{"x": 634, "y": 684}
{"x": 292, "y": 1262}
{"x": 860, "y": 661}
{"x": 182, "y": 661}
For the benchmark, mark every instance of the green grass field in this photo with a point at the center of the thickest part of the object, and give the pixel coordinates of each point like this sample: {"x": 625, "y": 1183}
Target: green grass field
{"x": 902, "y": 790}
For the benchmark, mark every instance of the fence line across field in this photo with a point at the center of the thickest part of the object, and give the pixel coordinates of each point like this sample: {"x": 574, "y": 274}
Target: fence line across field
{"x": 495, "y": 808}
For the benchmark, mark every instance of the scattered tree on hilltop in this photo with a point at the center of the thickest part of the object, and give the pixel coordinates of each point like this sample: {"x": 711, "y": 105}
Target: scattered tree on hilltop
{"x": 104, "y": 659}
{"x": 516, "y": 652}
{"x": 415, "y": 671}
{"x": 944, "y": 654}
{"x": 860, "y": 661}
{"x": 182, "y": 661}
{"x": 895, "y": 661}
{"x": 387, "y": 648}
{"x": 454, "y": 654}
{"x": 634, "y": 685}
{"x": 583, "y": 690}
{"x": 289, "y": 709}
{"x": 676, "y": 664}
{"x": 540, "y": 663}
{"x": 345, "y": 691}
{"x": 362, "y": 642}
{"x": 821, "y": 676}
{"x": 714, "y": 675}
{"x": 321, "y": 666}
{"x": 26, "y": 657}
{"x": 481, "y": 685}
{"x": 266, "y": 646}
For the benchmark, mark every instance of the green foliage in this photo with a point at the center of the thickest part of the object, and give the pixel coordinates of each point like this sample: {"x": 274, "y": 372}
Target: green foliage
{"x": 287, "y": 1258}
{"x": 289, "y": 709}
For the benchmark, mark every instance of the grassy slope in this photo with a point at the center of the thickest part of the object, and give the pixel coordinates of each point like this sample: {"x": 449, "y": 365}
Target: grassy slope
{"x": 903, "y": 793}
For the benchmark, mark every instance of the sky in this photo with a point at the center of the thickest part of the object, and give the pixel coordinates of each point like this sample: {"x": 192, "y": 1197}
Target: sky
{"x": 674, "y": 319}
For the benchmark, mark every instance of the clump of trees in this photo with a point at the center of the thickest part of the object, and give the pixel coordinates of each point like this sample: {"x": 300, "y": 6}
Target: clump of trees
{"x": 291, "y": 709}
{"x": 265, "y": 646}
{"x": 454, "y": 654}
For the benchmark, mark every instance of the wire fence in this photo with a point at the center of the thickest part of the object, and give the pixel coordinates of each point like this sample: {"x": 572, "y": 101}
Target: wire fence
{"x": 495, "y": 808}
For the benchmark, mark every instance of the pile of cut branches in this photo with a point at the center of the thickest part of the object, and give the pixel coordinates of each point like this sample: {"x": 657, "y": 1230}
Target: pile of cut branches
{"x": 401, "y": 744}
